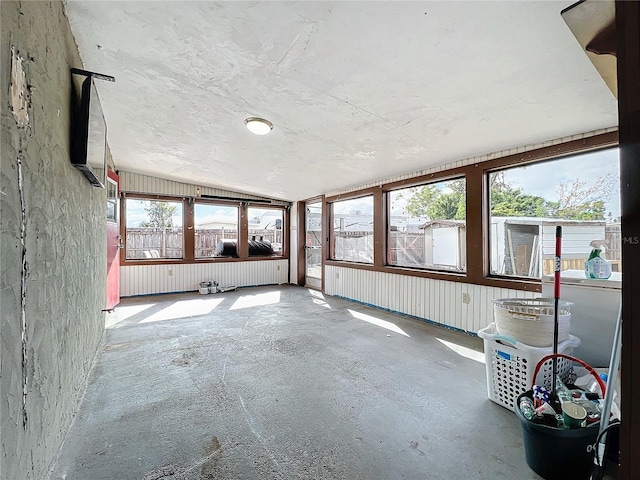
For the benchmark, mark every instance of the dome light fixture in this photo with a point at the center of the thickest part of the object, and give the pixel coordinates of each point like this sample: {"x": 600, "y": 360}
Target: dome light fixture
{"x": 259, "y": 126}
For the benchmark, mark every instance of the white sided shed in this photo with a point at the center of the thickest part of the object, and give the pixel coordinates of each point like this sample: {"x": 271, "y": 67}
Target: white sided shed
{"x": 525, "y": 247}
{"x": 445, "y": 244}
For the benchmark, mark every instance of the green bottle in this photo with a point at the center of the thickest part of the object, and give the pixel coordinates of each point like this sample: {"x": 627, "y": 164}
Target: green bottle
{"x": 596, "y": 266}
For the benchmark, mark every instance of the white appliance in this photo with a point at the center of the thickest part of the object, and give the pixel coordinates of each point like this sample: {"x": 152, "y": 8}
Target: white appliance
{"x": 593, "y": 314}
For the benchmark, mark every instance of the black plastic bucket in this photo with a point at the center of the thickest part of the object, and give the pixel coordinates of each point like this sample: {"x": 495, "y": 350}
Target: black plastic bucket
{"x": 558, "y": 453}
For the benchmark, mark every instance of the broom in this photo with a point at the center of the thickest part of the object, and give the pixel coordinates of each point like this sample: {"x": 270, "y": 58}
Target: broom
{"x": 556, "y": 304}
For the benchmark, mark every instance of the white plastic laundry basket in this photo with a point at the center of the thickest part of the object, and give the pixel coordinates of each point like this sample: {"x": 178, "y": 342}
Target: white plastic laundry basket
{"x": 530, "y": 320}
{"x": 510, "y": 365}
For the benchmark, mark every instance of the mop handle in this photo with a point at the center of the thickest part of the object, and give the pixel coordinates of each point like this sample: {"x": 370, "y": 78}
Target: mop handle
{"x": 557, "y": 264}
{"x": 556, "y": 297}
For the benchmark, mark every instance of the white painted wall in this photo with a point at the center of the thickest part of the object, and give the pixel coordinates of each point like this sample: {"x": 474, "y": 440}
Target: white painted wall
{"x": 152, "y": 279}
{"x": 138, "y": 183}
{"x": 435, "y": 300}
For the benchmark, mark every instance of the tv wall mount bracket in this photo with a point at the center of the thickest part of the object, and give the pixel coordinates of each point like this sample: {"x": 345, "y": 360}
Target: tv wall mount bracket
{"x": 87, "y": 73}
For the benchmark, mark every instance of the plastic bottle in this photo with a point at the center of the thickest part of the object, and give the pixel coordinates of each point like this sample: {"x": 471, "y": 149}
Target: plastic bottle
{"x": 596, "y": 266}
{"x": 526, "y": 407}
{"x": 589, "y": 384}
{"x": 562, "y": 392}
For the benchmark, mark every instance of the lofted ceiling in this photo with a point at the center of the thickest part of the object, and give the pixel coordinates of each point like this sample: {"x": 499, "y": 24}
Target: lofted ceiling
{"x": 357, "y": 91}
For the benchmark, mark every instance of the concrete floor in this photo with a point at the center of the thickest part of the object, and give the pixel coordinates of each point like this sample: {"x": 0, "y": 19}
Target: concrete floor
{"x": 284, "y": 383}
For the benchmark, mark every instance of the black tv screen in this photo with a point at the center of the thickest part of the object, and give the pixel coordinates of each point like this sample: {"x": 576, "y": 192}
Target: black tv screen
{"x": 89, "y": 135}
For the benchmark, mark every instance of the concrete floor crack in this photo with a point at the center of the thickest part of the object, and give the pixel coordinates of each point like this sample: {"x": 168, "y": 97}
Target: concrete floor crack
{"x": 224, "y": 366}
{"x": 249, "y": 420}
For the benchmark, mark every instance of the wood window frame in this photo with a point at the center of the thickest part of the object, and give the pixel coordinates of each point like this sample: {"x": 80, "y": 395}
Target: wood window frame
{"x": 449, "y": 175}
{"x": 301, "y": 267}
{"x": 628, "y": 65}
{"x": 477, "y": 214}
{"x": 188, "y": 230}
{"x": 285, "y": 229}
{"x": 192, "y": 222}
{"x": 123, "y": 228}
{"x": 375, "y": 194}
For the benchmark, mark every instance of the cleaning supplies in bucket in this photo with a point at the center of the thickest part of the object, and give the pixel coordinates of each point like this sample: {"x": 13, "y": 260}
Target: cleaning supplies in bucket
{"x": 559, "y": 434}
{"x": 570, "y": 405}
{"x": 557, "y": 453}
{"x": 596, "y": 265}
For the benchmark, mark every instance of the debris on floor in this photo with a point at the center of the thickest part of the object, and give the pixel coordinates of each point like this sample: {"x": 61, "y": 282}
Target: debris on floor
{"x": 214, "y": 287}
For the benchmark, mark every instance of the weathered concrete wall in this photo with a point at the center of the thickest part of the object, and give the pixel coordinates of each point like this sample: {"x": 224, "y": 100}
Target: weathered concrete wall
{"x": 51, "y": 319}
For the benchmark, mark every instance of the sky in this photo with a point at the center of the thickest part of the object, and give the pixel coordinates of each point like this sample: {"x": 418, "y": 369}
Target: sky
{"x": 543, "y": 179}
{"x": 204, "y": 213}
{"x": 215, "y": 214}
{"x": 136, "y": 213}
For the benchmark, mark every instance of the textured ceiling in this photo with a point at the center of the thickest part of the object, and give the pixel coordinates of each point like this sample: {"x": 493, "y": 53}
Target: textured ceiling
{"x": 357, "y": 91}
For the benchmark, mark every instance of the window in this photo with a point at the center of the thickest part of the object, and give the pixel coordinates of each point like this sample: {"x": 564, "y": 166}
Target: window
{"x": 427, "y": 226}
{"x": 580, "y": 193}
{"x": 353, "y": 230}
{"x": 199, "y": 229}
{"x": 216, "y": 230}
{"x": 487, "y": 223}
{"x": 112, "y": 201}
{"x": 154, "y": 229}
{"x": 265, "y": 231}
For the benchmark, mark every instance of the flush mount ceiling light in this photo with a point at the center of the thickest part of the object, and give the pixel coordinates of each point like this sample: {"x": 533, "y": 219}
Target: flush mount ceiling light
{"x": 259, "y": 126}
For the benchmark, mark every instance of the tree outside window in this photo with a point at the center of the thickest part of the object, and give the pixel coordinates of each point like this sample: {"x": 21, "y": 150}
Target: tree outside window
{"x": 154, "y": 229}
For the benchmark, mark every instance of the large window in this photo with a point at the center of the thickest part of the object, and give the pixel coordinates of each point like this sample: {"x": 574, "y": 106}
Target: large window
{"x": 265, "y": 231}
{"x": 353, "y": 230}
{"x": 488, "y": 223}
{"x": 580, "y": 193}
{"x": 154, "y": 229}
{"x": 216, "y": 230}
{"x": 187, "y": 230}
{"x": 427, "y": 226}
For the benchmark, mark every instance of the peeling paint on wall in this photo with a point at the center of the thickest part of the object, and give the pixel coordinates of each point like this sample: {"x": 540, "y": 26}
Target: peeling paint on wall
{"x": 23, "y": 286}
{"x": 18, "y": 90}
{"x": 19, "y": 102}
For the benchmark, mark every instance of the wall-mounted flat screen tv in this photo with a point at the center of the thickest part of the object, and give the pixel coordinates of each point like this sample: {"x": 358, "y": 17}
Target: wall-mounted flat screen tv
{"x": 89, "y": 135}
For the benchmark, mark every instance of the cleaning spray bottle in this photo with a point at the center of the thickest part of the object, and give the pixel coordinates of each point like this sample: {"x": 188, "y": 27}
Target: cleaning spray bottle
{"x": 596, "y": 266}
